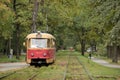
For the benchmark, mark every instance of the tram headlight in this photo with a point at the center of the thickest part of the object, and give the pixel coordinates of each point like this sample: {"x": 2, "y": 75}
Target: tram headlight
{"x": 44, "y": 54}
{"x": 32, "y": 54}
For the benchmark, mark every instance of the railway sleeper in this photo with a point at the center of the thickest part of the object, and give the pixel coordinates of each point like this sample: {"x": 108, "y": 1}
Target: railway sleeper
{"x": 75, "y": 74}
{"x": 76, "y": 77}
{"x": 109, "y": 77}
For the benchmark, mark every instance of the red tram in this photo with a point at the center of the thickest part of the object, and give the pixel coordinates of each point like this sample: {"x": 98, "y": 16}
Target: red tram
{"x": 40, "y": 48}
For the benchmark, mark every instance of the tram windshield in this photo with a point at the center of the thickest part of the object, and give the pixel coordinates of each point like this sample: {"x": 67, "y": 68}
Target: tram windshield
{"x": 38, "y": 43}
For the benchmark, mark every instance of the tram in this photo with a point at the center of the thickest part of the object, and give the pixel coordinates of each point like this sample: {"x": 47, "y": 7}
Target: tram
{"x": 40, "y": 48}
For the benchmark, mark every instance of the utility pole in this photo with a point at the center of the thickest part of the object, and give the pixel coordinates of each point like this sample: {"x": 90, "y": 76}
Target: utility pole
{"x": 35, "y": 12}
{"x": 34, "y": 17}
{"x": 46, "y": 23}
{"x": 44, "y": 12}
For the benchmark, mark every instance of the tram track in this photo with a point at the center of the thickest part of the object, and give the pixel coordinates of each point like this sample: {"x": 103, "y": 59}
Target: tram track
{"x": 75, "y": 70}
{"x": 67, "y": 67}
{"x": 33, "y": 76}
{"x": 6, "y": 75}
{"x": 87, "y": 72}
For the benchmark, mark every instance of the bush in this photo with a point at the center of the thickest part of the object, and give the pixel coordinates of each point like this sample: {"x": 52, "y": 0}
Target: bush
{"x": 5, "y": 58}
{"x": 101, "y": 50}
{"x": 78, "y": 47}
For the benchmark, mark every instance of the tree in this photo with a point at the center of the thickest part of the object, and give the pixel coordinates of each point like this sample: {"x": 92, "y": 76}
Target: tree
{"x": 106, "y": 16}
{"x": 20, "y": 24}
{"x": 114, "y": 36}
{"x": 70, "y": 21}
{"x": 6, "y": 25}
{"x": 75, "y": 14}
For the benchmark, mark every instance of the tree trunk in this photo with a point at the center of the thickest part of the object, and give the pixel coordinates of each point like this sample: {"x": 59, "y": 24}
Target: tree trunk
{"x": 82, "y": 42}
{"x": 109, "y": 51}
{"x": 115, "y": 55}
{"x": 17, "y": 42}
{"x": 82, "y": 47}
{"x": 16, "y": 37}
{"x": 7, "y": 47}
{"x": 119, "y": 52}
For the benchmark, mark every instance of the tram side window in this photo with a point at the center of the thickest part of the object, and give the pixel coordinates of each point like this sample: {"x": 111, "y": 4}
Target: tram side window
{"x": 48, "y": 43}
{"x": 38, "y": 43}
{"x": 51, "y": 43}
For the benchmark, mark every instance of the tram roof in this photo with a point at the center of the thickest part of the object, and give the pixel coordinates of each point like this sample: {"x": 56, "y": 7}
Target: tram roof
{"x": 43, "y": 35}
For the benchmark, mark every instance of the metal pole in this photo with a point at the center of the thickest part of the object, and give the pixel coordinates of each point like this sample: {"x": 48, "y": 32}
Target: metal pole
{"x": 35, "y": 11}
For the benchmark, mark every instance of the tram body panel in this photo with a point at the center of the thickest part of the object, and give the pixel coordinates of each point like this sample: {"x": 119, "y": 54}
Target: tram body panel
{"x": 40, "y": 53}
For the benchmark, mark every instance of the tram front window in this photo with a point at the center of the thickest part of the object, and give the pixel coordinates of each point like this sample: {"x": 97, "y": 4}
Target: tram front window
{"x": 38, "y": 43}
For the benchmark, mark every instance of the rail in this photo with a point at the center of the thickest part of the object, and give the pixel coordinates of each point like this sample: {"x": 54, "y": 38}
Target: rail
{"x": 64, "y": 78}
{"x": 6, "y": 75}
{"x": 11, "y": 73}
{"x": 33, "y": 76}
{"x": 75, "y": 70}
{"x": 87, "y": 72}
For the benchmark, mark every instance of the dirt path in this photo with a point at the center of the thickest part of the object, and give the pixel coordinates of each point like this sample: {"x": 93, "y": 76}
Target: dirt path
{"x": 104, "y": 63}
{"x": 10, "y": 66}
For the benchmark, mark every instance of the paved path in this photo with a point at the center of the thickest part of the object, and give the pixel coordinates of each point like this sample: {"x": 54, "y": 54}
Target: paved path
{"x": 104, "y": 63}
{"x": 10, "y": 66}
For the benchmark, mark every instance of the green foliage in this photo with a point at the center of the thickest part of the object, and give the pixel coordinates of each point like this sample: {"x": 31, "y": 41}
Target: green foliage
{"x": 101, "y": 50}
{"x": 70, "y": 21}
{"x": 24, "y": 16}
{"x": 114, "y": 35}
{"x": 77, "y": 47}
{"x": 6, "y": 21}
{"x": 105, "y": 15}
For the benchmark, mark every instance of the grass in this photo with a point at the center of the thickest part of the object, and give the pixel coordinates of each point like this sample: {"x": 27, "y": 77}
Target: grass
{"x": 99, "y": 71}
{"x": 5, "y": 59}
{"x": 57, "y": 69}
{"x": 52, "y": 72}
